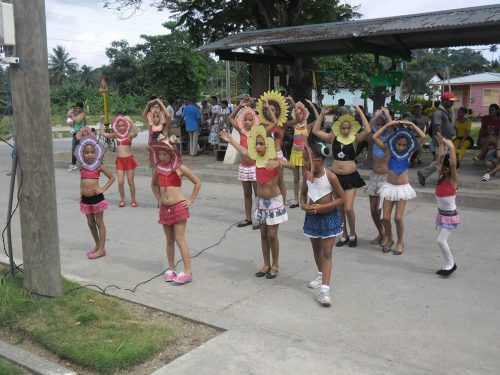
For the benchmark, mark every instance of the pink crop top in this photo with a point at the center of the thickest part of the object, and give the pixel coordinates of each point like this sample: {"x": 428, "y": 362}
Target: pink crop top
{"x": 85, "y": 173}
{"x": 172, "y": 180}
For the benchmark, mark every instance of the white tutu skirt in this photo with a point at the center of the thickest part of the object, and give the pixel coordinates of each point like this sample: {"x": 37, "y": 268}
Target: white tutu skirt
{"x": 392, "y": 192}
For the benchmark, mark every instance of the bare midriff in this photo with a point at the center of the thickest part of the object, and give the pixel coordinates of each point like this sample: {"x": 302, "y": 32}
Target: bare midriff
{"x": 171, "y": 195}
{"x": 397, "y": 179}
{"x": 379, "y": 165}
{"x": 269, "y": 189}
{"x": 88, "y": 186}
{"x": 123, "y": 151}
{"x": 343, "y": 167}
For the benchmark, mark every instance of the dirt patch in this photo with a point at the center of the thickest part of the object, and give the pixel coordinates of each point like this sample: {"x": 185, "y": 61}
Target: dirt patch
{"x": 187, "y": 336}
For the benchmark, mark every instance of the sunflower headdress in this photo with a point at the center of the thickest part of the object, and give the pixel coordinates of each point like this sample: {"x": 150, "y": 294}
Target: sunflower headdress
{"x": 355, "y": 126}
{"x": 275, "y": 99}
{"x": 261, "y": 161}
{"x": 300, "y": 113}
{"x": 241, "y": 119}
{"x": 410, "y": 139}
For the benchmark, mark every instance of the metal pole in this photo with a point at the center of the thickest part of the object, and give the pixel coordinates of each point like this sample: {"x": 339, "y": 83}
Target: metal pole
{"x": 9, "y": 211}
{"x": 228, "y": 82}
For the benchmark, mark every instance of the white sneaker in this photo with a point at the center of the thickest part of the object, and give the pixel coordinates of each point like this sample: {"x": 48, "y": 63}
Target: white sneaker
{"x": 71, "y": 167}
{"x": 316, "y": 282}
{"x": 486, "y": 177}
{"x": 324, "y": 298}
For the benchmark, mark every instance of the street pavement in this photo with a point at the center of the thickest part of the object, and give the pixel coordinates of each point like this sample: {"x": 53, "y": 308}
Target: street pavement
{"x": 390, "y": 314}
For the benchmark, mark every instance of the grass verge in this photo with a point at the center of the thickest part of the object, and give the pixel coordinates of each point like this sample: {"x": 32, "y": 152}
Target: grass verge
{"x": 89, "y": 329}
{"x": 7, "y": 368}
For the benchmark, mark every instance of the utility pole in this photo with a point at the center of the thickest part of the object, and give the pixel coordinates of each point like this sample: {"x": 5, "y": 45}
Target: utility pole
{"x": 31, "y": 113}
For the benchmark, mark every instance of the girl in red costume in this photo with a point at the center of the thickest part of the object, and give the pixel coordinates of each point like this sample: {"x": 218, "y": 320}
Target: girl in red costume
{"x": 90, "y": 153}
{"x": 124, "y": 131}
{"x": 270, "y": 210}
{"x": 174, "y": 212}
{"x": 243, "y": 118}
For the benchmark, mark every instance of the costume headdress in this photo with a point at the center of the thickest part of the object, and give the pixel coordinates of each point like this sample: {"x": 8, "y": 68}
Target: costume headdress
{"x": 355, "y": 126}
{"x": 161, "y": 114}
{"x": 261, "y": 161}
{"x": 119, "y": 133}
{"x": 98, "y": 152}
{"x": 241, "y": 119}
{"x": 167, "y": 145}
{"x": 275, "y": 99}
{"x": 410, "y": 139}
{"x": 304, "y": 113}
{"x": 85, "y": 130}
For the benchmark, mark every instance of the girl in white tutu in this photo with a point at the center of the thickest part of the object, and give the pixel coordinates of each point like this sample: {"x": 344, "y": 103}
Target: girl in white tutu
{"x": 397, "y": 190}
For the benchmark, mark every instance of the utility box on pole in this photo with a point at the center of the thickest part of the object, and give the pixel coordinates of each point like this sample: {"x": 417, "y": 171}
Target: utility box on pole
{"x": 7, "y": 32}
{"x": 33, "y": 141}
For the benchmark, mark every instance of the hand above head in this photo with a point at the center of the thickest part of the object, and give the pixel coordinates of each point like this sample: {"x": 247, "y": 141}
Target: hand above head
{"x": 224, "y": 135}
{"x": 326, "y": 110}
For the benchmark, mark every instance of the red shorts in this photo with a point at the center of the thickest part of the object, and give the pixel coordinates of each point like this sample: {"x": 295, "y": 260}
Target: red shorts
{"x": 126, "y": 164}
{"x": 174, "y": 214}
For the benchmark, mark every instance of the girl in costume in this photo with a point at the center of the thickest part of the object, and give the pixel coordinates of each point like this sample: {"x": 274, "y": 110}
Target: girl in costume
{"x": 447, "y": 218}
{"x": 174, "y": 208}
{"x": 273, "y": 110}
{"x": 242, "y": 119}
{"x": 270, "y": 210}
{"x": 158, "y": 118}
{"x": 124, "y": 130}
{"x": 89, "y": 153}
{"x": 320, "y": 198}
{"x": 397, "y": 190}
{"x": 378, "y": 176}
{"x": 345, "y": 139}
{"x": 301, "y": 128}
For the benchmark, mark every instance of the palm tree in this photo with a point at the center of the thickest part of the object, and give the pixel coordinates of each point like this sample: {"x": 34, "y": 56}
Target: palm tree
{"x": 493, "y": 49}
{"x": 61, "y": 65}
{"x": 87, "y": 75}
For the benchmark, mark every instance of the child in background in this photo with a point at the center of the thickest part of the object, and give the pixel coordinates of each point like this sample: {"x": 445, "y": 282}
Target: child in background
{"x": 320, "y": 198}
{"x": 174, "y": 207}
{"x": 90, "y": 153}
{"x": 124, "y": 130}
{"x": 462, "y": 139}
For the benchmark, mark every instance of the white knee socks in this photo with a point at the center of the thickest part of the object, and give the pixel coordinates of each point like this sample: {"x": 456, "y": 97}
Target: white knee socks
{"x": 442, "y": 240}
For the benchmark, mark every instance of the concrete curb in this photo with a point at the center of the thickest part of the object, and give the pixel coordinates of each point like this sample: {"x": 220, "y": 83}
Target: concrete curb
{"x": 32, "y": 362}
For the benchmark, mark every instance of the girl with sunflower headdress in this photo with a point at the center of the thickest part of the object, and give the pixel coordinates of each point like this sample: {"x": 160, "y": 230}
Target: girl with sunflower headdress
{"x": 396, "y": 191}
{"x": 345, "y": 139}
{"x": 270, "y": 210}
{"x": 243, "y": 118}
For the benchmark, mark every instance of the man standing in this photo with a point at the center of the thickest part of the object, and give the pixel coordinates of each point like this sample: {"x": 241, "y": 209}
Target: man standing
{"x": 422, "y": 121}
{"x": 442, "y": 123}
{"x": 192, "y": 116}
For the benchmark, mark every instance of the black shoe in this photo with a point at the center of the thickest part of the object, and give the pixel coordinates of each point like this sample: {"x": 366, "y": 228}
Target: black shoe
{"x": 421, "y": 178}
{"x": 444, "y": 272}
{"x": 342, "y": 242}
{"x": 295, "y": 205}
{"x": 353, "y": 242}
{"x": 263, "y": 272}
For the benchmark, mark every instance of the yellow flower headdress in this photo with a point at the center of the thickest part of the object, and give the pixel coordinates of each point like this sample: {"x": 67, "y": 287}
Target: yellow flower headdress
{"x": 261, "y": 161}
{"x": 355, "y": 126}
{"x": 241, "y": 119}
{"x": 278, "y": 101}
{"x": 304, "y": 113}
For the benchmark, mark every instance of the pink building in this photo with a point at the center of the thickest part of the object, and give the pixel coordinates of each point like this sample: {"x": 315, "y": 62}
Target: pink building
{"x": 476, "y": 91}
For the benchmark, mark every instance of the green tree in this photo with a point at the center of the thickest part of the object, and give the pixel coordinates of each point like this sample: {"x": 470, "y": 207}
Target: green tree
{"x": 87, "y": 75}
{"x": 123, "y": 71}
{"x": 208, "y": 20}
{"x": 61, "y": 65}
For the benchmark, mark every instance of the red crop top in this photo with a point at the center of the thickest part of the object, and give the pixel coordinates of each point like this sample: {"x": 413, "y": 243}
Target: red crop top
{"x": 444, "y": 188}
{"x": 85, "y": 173}
{"x": 123, "y": 142}
{"x": 244, "y": 140}
{"x": 264, "y": 175}
{"x": 173, "y": 180}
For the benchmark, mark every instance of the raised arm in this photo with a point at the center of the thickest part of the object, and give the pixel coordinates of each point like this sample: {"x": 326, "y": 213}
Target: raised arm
{"x": 453, "y": 162}
{"x": 315, "y": 112}
{"x": 366, "y": 125}
{"x": 225, "y": 136}
{"x": 274, "y": 121}
{"x": 379, "y": 132}
{"x": 134, "y": 131}
{"x": 416, "y": 129}
{"x": 324, "y": 136}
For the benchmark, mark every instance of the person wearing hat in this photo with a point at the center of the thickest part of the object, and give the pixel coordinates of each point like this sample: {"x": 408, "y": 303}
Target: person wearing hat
{"x": 441, "y": 123}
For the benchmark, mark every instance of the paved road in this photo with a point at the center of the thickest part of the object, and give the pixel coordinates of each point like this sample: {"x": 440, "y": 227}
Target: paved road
{"x": 390, "y": 315}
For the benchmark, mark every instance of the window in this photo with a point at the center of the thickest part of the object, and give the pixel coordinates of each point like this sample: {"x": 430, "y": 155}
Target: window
{"x": 491, "y": 96}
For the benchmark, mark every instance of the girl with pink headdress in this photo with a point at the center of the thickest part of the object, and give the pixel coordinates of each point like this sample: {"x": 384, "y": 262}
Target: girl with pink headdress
{"x": 242, "y": 119}
{"x": 124, "y": 130}
{"x": 89, "y": 153}
{"x": 174, "y": 207}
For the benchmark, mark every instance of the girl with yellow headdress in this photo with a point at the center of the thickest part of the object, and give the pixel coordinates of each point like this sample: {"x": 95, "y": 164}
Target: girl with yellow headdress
{"x": 345, "y": 138}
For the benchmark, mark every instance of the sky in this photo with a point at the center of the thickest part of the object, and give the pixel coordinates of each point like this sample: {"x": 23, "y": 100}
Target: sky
{"x": 86, "y": 29}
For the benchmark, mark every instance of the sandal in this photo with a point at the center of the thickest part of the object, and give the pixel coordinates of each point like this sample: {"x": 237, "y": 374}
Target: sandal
{"x": 295, "y": 205}
{"x": 273, "y": 273}
{"x": 134, "y": 204}
{"x": 121, "y": 204}
{"x": 397, "y": 252}
{"x": 263, "y": 271}
{"x": 343, "y": 241}
{"x": 244, "y": 223}
{"x": 386, "y": 249}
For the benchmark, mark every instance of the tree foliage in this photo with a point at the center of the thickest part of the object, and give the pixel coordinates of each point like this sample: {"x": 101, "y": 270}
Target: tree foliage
{"x": 61, "y": 65}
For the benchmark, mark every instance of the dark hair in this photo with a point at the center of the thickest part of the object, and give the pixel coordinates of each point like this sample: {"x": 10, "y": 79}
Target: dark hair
{"x": 79, "y": 105}
{"x": 341, "y": 102}
{"x": 171, "y": 100}
{"x": 213, "y": 97}
{"x": 464, "y": 109}
{"x": 152, "y": 97}
{"x": 494, "y": 105}
{"x": 224, "y": 102}
{"x": 446, "y": 161}
{"x": 319, "y": 150}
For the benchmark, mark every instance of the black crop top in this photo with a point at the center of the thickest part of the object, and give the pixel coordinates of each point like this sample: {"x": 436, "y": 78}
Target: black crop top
{"x": 345, "y": 153}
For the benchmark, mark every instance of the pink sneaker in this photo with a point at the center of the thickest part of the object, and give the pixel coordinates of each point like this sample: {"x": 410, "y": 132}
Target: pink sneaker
{"x": 169, "y": 276}
{"x": 183, "y": 278}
